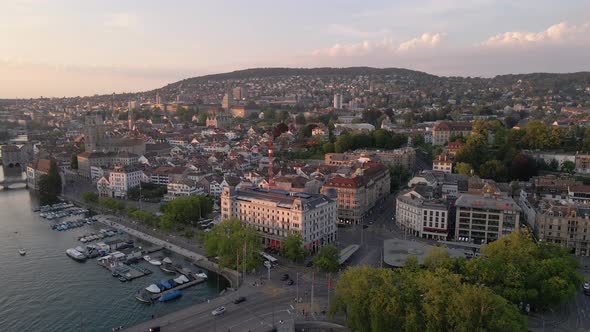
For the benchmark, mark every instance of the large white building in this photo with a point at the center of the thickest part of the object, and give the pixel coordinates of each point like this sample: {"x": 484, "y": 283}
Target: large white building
{"x": 119, "y": 181}
{"x": 420, "y": 216}
{"x": 275, "y": 213}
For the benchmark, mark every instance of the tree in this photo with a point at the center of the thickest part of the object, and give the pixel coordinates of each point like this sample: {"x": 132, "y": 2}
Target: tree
{"x": 293, "y": 247}
{"x": 327, "y": 259}
{"x": 227, "y": 240}
{"x": 328, "y": 147}
{"x": 464, "y": 168}
{"x": 523, "y": 167}
{"x": 493, "y": 169}
{"x": 74, "y": 162}
{"x": 568, "y": 166}
{"x": 279, "y": 129}
{"x": 111, "y": 204}
{"x": 185, "y": 210}
{"x": 300, "y": 119}
{"x": 50, "y": 185}
{"x": 90, "y": 197}
{"x": 520, "y": 270}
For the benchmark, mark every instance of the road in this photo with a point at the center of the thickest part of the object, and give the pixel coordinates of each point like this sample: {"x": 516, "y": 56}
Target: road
{"x": 266, "y": 305}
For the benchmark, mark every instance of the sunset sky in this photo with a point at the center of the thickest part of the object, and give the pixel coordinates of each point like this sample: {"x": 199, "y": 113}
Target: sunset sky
{"x": 69, "y": 48}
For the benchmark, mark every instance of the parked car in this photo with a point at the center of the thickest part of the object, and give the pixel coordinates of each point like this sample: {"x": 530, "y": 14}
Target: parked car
{"x": 218, "y": 311}
{"x": 284, "y": 277}
{"x": 586, "y": 288}
{"x": 154, "y": 329}
{"x": 239, "y": 300}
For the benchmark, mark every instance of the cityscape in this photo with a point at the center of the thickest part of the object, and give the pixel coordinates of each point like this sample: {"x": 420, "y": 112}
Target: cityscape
{"x": 384, "y": 183}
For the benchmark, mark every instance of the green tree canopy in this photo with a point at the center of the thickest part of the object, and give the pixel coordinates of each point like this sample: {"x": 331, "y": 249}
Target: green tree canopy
{"x": 293, "y": 247}
{"x": 463, "y": 168}
{"x": 327, "y": 259}
{"x": 185, "y": 210}
{"x": 521, "y": 270}
{"x": 90, "y": 197}
{"x": 226, "y": 240}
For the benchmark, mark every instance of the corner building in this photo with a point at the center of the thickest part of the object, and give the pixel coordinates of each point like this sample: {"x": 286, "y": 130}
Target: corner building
{"x": 275, "y": 213}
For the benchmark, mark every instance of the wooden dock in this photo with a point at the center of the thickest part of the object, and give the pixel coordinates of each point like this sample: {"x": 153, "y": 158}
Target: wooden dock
{"x": 197, "y": 281}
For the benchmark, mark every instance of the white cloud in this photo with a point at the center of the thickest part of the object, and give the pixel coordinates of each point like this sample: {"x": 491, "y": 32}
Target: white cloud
{"x": 426, "y": 40}
{"x": 122, "y": 20}
{"x": 387, "y": 44}
{"x": 558, "y": 33}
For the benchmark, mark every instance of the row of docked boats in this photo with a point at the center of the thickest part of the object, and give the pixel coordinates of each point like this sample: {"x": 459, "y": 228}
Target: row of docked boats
{"x": 53, "y": 207}
{"x": 72, "y": 211}
{"x": 103, "y": 233}
{"x": 70, "y": 224}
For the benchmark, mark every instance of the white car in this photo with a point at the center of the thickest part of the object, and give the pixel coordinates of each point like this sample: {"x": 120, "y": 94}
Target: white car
{"x": 218, "y": 311}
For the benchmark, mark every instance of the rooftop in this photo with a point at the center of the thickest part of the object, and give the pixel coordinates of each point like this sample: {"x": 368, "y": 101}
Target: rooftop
{"x": 282, "y": 198}
{"x": 487, "y": 202}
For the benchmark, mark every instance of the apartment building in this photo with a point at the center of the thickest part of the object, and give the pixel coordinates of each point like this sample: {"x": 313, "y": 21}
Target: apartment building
{"x": 357, "y": 194}
{"x": 35, "y": 171}
{"x": 485, "y": 218}
{"x": 443, "y": 130}
{"x": 422, "y": 216}
{"x": 275, "y": 213}
{"x": 567, "y": 224}
{"x": 87, "y": 160}
{"x": 119, "y": 181}
{"x": 405, "y": 157}
{"x": 442, "y": 163}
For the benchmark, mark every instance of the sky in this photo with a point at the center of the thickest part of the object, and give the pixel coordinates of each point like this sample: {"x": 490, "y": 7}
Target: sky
{"x": 57, "y": 48}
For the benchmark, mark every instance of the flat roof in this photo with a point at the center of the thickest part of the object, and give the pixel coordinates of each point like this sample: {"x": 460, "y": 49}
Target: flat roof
{"x": 347, "y": 252}
{"x": 397, "y": 251}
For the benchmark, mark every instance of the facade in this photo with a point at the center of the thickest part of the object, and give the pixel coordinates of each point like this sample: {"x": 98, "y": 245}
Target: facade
{"x": 275, "y": 213}
{"x": 583, "y": 164}
{"x": 565, "y": 224}
{"x": 357, "y": 195}
{"x": 426, "y": 218}
{"x": 243, "y": 111}
{"x": 240, "y": 93}
{"x": 35, "y": 171}
{"x": 13, "y": 156}
{"x": 405, "y": 157}
{"x": 182, "y": 188}
{"x": 443, "y": 130}
{"x": 218, "y": 118}
{"x": 119, "y": 181}
{"x": 485, "y": 218}
{"x": 442, "y": 163}
{"x": 338, "y": 101}
{"x": 88, "y": 160}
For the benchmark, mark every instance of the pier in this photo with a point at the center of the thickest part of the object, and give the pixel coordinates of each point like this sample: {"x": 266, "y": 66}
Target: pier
{"x": 197, "y": 281}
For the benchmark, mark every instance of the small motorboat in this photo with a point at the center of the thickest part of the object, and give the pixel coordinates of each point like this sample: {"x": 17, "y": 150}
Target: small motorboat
{"x": 155, "y": 262}
{"x": 22, "y": 251}
{"x": 170, "y": 296}
{"x": 201, "y": 274}
{"x": 147, "y": 258}
{"x": 153, "y": 289}
{"x": 167, "y": 260}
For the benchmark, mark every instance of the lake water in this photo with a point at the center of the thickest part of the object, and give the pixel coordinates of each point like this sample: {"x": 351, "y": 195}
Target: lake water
{"x": 47, "y": 291}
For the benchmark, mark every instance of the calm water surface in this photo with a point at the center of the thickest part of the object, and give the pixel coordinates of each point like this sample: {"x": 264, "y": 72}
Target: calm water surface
{"x": 47, "y": 291}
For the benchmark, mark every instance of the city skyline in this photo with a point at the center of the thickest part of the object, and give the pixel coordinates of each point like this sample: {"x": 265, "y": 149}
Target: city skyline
{"x": 64, "y": 48}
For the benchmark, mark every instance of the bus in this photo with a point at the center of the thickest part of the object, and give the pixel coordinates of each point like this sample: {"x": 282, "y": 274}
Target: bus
{"x": 269, "y": 258}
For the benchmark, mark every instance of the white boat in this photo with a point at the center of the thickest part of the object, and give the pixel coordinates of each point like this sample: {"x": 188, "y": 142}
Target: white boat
{"x": 155, "y": 262}
{"x": 147, "y": 258}
{"x": 22, "y": 251}
{"x": 201, "y": 275}
{"x": 181, "y": 279}
{"x": 153, "y": 289}
{"x": 76, "y": 255}
{"x": 167, "y": 260}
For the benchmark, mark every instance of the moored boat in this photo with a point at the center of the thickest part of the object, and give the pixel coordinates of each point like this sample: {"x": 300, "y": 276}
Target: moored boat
{"x": 76, "y": 255}
{"x": 153, "y": 288}
{"x": 170, "y": 296}
{"x": 22, "y": 251}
